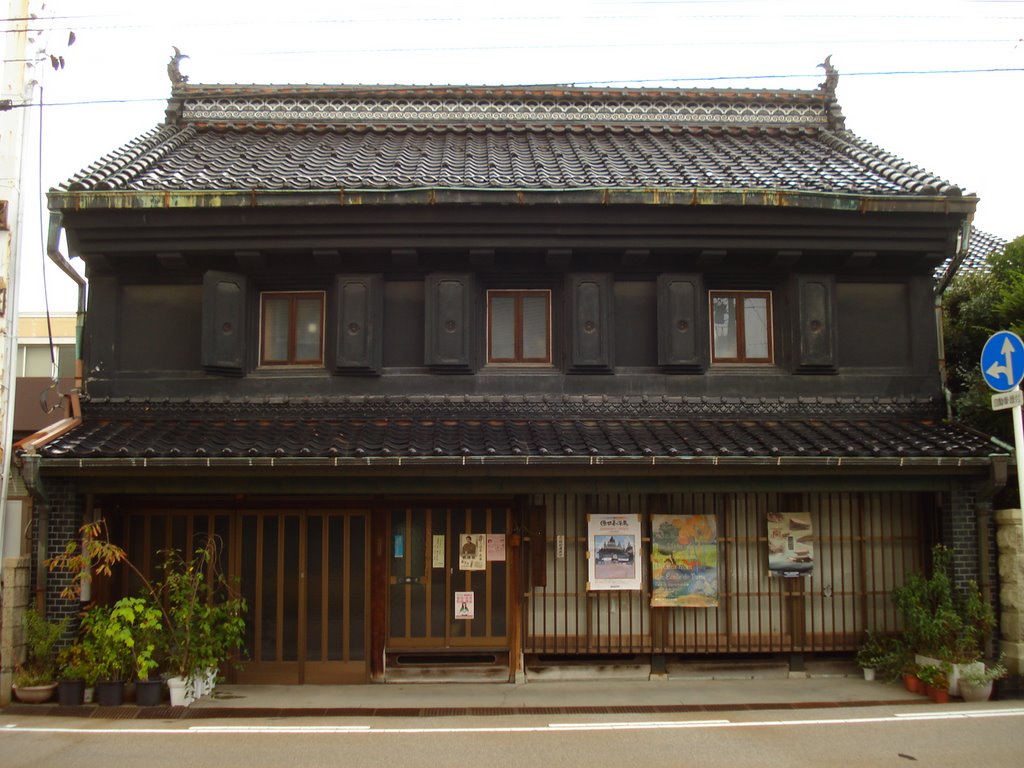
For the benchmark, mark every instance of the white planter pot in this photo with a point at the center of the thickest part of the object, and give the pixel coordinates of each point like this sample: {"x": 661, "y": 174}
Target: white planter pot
{"x": 975, "y": 692}
{"x": 180, "y": 693}
{"x": 869, "y": 674}
{"x": 958, "y": 670}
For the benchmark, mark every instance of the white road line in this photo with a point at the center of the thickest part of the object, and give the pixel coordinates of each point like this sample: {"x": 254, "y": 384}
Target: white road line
{"x": 207, "y": 730}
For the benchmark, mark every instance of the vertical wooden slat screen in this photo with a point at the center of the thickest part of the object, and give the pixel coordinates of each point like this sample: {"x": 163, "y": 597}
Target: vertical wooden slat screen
{"x": 864, "y": 546}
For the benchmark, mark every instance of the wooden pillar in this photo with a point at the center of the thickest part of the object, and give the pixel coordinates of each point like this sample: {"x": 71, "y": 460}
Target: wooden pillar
{"x": 378, "y": 521}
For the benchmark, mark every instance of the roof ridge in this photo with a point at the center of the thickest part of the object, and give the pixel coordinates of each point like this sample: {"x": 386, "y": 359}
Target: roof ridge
{"x": 889, "y": 165}
{"x": 132, "y": 159}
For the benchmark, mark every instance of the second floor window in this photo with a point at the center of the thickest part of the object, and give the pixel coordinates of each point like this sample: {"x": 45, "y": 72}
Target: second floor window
{"x": 741, "y": 326}
{"x": 519, "y": 327}
{"x": 292, "y": 328}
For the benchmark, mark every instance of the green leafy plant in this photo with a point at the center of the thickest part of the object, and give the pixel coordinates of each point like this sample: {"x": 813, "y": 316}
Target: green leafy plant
{"x": 41, "y": 638}
{"x": 205, "y": 618}
{"x": 934, "y": 675}
{"x": 77, "y": 662}
{"x": 109, "y": 643}
{"x": 939, "y": 620}
{"x": 200, "y": 615}
{"x": 886, "y": 654}
{"x": 979, "y": 676}
{"x": 139, "y": 627}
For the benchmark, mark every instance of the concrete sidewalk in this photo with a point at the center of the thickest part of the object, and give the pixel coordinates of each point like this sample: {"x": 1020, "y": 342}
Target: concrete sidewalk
{"x": 679, "y": 691}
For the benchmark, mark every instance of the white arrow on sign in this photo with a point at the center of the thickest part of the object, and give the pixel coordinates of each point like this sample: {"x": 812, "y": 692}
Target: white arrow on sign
{"x": 995, "y": 370}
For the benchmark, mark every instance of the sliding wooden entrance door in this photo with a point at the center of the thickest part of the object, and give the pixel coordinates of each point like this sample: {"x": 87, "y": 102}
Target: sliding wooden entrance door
{"x": 424, "y": 577}
{"x": 304, "y": 574}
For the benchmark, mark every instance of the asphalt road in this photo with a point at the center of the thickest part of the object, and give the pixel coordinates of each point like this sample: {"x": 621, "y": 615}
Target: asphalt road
{"x": 989, "y": 735}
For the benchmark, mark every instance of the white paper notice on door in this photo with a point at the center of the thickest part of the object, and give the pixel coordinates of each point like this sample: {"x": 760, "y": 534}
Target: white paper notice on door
{"x": 437, "y": 551}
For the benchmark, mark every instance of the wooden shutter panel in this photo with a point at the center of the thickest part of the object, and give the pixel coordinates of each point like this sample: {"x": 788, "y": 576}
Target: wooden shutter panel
{"x": 224, "y": 306}
{"x": 449, "y": 330}
{"x": 590, "y": 323}
{"x": 814, "y": 325}
{"x": 682, "y": 314}
{"x": 359, "y": 301}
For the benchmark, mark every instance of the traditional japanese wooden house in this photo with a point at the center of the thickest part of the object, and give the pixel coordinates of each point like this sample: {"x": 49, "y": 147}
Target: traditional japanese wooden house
{"x": 344, "y": 327}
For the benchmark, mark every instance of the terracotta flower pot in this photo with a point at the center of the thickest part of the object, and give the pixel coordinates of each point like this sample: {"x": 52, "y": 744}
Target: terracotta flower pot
{"x": 913, "y": 683}
{"x": 938, "y": 694}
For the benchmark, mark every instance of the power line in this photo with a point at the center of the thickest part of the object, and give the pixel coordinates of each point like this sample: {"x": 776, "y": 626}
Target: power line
{"x": 6, "y": 104}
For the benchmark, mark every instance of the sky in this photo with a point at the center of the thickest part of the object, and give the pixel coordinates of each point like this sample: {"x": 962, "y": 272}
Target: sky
{"x": 939, "y": 83}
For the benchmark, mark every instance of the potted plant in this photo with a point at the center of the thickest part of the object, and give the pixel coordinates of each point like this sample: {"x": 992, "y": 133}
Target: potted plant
{"x": 76, "y": 672}
{"x": 941, "y": 623}
{"x": 936, "y": 681}
{"x": 881, "y": 656}
{"x": 143, "y": 623}
{"x": 111, "y": 643}
{"x": 201, "y": 616}
{"x": 204, "y": 620}
{"x": 35, "y": 680}
{"x": 976, "y": 684}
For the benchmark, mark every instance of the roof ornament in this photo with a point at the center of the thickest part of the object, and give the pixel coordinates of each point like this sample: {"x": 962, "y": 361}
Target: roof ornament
{"x": 831, "y": 78}
{"x": 174, "y": 67}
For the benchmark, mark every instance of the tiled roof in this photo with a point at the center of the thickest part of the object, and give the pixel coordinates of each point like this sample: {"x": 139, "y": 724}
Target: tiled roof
{"x": 982, "y": 245}
{"x": 263, "y": 138}
{"x": 214, "y": 432}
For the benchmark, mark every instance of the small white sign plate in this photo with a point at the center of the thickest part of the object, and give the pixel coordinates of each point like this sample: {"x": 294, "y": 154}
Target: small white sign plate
{"x": 1004, "y": 400}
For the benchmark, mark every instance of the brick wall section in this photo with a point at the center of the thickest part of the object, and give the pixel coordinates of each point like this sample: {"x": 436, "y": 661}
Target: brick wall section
{"x": 960, "y": 533}
{"x": 66, "y": 514}
{"x": 962, "y": 509}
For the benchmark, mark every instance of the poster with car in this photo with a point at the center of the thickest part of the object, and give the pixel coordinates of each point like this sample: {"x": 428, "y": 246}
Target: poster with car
{"x": 790, "y": 544}
{"x": 684, "y": 561}
{"x": 614, "y": 559}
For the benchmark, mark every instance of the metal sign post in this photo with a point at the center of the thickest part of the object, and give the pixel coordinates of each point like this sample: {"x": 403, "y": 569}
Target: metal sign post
{"x": 1002, "y": 365}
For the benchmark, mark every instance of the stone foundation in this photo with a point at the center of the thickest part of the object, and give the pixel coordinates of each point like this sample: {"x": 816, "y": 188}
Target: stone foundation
{"x": 15, "y": 599}
{"x": 1010, "y": 540}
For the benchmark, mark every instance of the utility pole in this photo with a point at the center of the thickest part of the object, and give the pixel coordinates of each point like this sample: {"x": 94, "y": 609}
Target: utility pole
{"x": 16, "y": 90}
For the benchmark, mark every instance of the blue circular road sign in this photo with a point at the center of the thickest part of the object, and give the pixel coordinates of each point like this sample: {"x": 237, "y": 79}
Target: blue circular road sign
{"x": 1002, "y": 361}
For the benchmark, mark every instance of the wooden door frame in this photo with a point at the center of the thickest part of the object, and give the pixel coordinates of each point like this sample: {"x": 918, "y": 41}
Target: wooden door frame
{"x": 380, "y": 525}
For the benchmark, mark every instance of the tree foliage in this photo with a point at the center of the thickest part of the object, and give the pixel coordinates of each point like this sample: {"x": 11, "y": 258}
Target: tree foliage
{"x": 976, "y": 305}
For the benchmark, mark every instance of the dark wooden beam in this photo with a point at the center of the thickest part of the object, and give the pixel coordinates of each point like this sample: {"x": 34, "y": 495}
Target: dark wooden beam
{"x": 482, "y": 258}
{"x": 558, "y": 258}
{"x": 635, "y": 257}
{"x": 860, "y": 258}
{"x": 251, "y": 259}
{"x": 405, "y": 257}
{"x": 174, "y": 261}
{"x": 711, "y": 257}
{"x": 786, "y": 259}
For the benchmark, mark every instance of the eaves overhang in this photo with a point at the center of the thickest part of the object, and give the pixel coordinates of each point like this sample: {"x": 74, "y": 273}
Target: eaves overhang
{"x": 448, "y": 464}
{"x": 108, "y": 200}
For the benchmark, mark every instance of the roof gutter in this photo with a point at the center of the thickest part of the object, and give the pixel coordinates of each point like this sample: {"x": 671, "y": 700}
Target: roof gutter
{"x": 677, "y": 462}
{"x": 171, "y": 199}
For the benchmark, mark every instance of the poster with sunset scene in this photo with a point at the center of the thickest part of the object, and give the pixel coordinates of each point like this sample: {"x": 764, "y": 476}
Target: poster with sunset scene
{"x": 684, "y": 561}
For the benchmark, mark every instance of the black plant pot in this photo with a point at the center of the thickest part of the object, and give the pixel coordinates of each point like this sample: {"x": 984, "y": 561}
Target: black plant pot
{"x": 71, "y": 692}
{"x": 110, "y": 693}
{"x": 149, "y": 693}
